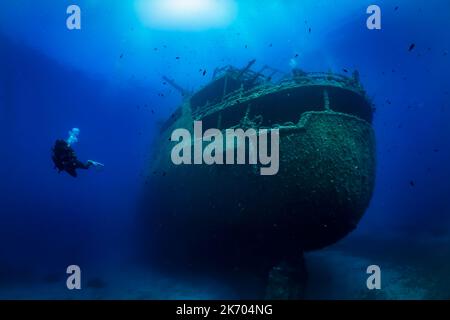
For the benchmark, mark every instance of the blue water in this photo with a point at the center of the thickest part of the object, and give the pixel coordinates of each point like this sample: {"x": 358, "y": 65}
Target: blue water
{"x": 106, "y": 80}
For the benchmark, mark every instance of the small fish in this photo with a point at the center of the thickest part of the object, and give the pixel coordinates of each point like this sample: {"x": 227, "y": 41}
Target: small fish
{"x": 411, "y": 47}
{"x": 412, "y": 183}
{"x": 204, "y": 72}
{"x": 345, "y": 70}
{"x": 309, "y": 30}
{"x": 178, "y": 58}
{"x": 396, "y": 8}
{"x": 296, "y": 55}
{"x": 121, "y": 56}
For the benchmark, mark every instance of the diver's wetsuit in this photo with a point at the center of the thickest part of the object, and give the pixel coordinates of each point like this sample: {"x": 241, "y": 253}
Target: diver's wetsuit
{"x": 65, "y": 158}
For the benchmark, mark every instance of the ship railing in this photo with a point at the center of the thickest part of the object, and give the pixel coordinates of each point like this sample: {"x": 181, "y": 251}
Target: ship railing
{"x": 292, "y": 82}
{"x": 236, "y": 96}
{"x": 312, "y": 77}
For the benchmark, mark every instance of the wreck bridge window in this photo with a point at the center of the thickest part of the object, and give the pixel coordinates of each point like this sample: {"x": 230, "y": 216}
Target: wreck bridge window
{"x": 287, "y": 106}
{"x": 350, "y": 102}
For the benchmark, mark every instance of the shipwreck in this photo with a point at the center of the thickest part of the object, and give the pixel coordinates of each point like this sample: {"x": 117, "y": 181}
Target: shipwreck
{"x": 229, "y": 217}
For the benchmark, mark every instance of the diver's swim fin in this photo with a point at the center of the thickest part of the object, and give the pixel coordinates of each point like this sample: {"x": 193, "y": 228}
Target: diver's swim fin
{"x": 95, "y": 163}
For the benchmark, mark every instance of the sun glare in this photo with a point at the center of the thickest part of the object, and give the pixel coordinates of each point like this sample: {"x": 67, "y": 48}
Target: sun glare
{"x": 186, "y": 14}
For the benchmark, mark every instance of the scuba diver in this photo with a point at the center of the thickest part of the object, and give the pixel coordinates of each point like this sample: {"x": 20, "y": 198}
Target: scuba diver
{"x": 64, "y": 156}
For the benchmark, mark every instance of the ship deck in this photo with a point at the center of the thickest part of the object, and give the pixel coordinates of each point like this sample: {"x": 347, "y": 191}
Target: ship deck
{"x": 284, "y": 102}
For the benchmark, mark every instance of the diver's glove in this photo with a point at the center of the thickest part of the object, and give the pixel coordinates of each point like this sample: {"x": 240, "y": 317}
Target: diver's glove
{"x": 95, "y": 164}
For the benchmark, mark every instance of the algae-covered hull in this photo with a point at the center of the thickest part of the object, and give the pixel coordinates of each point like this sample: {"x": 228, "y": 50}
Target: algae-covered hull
{"x": 231, "y": 215}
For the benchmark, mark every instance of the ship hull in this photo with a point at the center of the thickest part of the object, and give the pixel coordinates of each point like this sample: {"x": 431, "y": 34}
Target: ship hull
{"x": 231, "y": 216}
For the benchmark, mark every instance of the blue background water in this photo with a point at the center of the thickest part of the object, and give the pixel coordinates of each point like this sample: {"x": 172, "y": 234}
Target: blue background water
{"x": 106, "y": 80}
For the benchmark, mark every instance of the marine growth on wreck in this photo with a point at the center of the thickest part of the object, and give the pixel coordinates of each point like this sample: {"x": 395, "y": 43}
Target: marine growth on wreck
{"x": 229, "y": 216}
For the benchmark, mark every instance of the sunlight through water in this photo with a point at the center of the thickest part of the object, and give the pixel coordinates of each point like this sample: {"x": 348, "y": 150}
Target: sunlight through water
{"x": 186, "y": 14}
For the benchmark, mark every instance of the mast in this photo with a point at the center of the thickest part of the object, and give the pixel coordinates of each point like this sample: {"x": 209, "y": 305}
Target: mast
{"x": 177, "y": 87}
